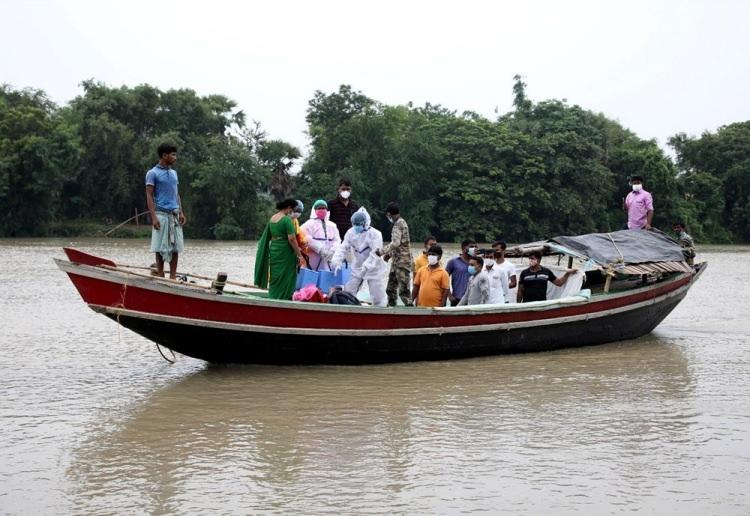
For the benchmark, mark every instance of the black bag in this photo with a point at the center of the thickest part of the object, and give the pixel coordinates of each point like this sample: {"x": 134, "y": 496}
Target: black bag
{"x": 343, "y": 298}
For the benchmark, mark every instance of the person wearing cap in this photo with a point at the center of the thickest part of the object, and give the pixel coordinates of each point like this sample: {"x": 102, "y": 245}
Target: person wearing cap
{"x": 532, "y": 284}
{"x": 431, "y": 282}
{"x": 321, "y": 236}
{"x": 398, "y": 252}
{"x": 639, "y": 205}
{"x": 342, "y": 207}
{"x": 363, "y": 241}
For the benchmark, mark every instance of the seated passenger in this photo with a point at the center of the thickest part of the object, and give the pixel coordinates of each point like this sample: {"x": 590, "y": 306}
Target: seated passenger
{"x": 478, "y": 289}
{"x": 532, "y": 285}
{"x": 431, "y": 282}
{"x": 685, "y": 240}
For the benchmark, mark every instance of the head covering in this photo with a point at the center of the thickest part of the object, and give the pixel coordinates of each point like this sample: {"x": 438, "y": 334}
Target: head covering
{"x": 317, "y": 204}
{"x": 358, "y": 219}
{"x": 299, "y": 206}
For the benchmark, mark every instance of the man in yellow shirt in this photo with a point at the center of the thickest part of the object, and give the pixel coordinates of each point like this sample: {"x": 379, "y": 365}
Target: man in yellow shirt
{"x": 421, "y": 260}
{"x": 431, "y": 283}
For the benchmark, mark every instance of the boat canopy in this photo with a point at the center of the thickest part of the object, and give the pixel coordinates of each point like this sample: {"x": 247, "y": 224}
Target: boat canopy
{"x": 626, "y": 251}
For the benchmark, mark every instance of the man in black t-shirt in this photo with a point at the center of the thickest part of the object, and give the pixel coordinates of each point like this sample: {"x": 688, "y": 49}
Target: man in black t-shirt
{"x": 532, "y": 284}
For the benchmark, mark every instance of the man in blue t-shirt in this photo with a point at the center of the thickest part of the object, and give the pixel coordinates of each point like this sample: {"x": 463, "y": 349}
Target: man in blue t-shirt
{"x": 165, "y": 207}
{"x": 458, "y": 269}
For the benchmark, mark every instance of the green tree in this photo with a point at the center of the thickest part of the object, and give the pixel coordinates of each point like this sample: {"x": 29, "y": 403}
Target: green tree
{"x": 36, "y": 153}
{"x": 725, "y": 157}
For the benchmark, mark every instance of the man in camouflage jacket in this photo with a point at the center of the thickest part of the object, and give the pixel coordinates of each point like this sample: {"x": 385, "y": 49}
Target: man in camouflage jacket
{"x": 399, "y": 253}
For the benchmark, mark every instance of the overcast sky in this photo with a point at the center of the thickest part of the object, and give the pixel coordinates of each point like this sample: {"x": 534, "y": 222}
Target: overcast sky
{"x": 659, "y": 67}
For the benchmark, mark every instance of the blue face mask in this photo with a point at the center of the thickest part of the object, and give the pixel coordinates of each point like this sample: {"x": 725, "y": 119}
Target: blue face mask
{"x": 358, "y": 229}
{"x": 472, "y": 270}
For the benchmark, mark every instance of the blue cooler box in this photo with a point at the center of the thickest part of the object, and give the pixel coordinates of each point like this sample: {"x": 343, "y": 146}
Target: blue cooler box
{"x": 306, "y": 277}
{"x": 328, "y": 280}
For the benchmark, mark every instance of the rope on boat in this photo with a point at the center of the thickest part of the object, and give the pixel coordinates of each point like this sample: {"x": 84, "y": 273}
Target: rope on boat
{"x": 121, "y": 304}
{"x": 174, "y": 358}
{"x": 622, "y": 258}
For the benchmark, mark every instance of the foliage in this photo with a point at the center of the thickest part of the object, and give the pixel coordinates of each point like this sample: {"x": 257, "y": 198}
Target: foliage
{"x": 546, "y": 168}
{"x": 37, "y": 152}
{"x": 715, "y": 179}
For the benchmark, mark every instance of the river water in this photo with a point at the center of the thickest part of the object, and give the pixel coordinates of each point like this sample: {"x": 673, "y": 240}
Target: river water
{"x": 94, "y": 421}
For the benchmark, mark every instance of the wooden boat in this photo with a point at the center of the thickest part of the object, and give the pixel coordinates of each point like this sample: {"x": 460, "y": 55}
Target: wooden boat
{"x": 243, "y": 326}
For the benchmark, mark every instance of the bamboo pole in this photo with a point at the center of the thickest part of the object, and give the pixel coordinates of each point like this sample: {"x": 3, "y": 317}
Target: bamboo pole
{"x": 190, "y": 275}
{"x": 123, "y": 223}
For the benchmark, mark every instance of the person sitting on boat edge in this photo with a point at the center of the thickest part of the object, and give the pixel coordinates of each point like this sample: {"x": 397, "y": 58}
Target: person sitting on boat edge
{"x": 399, "y": 253}
{"x": 278, "y": 253}
{"x": 322, "y": 237}
{"x": 457, "y": 270}
{"x": 421, "y": 260}
{"x": 685, "y": 240}
{"x": 165, "y": 206}
{"x": 363, "y": 240}
{"x": 532, "y": 285}
{"x": 431, "y": 282}
{"x": 478, "y": 289}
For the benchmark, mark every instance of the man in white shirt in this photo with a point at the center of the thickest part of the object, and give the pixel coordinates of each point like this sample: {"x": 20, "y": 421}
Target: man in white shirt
{"x": 499, "y": 292}
{"x": 501, "y": 264}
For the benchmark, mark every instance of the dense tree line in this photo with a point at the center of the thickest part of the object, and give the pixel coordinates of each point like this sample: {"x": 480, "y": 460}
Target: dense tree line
{"x": 88, "y": 159}
{"x": 546, "y": 168}
{"x": 543, "y": 169}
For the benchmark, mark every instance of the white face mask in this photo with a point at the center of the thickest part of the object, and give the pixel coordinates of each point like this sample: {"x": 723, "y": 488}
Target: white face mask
{"x": 432, "y": 259}
{"x": 637, "y": 188}
{"x": 345, "y": 194}
{"x": 294, "y": 214}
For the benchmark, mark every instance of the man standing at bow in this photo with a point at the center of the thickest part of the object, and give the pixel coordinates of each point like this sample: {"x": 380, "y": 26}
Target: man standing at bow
{"x": 165, "y": 207}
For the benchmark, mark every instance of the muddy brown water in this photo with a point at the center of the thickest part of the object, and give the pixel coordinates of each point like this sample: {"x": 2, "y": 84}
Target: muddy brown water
{"x": 94, "y": 421}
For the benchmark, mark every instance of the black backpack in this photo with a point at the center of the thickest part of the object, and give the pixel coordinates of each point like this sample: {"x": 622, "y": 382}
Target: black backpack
{"x": 343, "y": 298}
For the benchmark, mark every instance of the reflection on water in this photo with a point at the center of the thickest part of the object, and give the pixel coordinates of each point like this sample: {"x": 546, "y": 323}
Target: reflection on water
{"x": 373, "y": 435}
{"x": 95, "y": 421}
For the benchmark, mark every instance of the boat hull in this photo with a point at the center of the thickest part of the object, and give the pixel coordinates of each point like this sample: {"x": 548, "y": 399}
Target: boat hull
{"x": 222, "y": 328}
{"x": 238, "y": 346}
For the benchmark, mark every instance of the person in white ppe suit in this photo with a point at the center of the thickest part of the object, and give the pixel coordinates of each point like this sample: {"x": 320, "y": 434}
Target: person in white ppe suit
{"x": 321, "y": 236}
{"x": 362, "y": 241}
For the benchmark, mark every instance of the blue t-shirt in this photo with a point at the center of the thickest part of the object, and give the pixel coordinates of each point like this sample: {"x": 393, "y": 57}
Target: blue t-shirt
{"x": 459, "y": 272}
{"x": 164, "y": 181}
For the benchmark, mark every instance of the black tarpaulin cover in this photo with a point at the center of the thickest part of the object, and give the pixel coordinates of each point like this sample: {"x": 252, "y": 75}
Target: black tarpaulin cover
{"x": 636, "y": 246}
